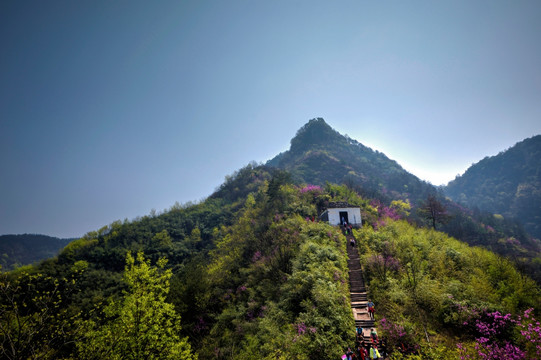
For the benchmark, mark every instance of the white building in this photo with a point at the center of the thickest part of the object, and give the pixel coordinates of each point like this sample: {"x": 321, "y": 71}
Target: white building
{"x": 338, "y": 212}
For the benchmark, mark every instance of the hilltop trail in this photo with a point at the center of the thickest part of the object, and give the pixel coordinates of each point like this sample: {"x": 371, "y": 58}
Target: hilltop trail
{"x": 357, "y": 288}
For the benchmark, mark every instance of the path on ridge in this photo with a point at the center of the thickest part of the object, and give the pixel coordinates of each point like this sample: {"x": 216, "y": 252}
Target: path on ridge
{"x": 357, "y": 288}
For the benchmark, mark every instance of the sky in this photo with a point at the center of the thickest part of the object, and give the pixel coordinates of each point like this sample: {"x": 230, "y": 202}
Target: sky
{"x": 109, "y": 109}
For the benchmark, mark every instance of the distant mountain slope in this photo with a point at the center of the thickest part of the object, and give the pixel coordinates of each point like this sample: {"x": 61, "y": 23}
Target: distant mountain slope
{"x": 17, "y": 250}
{"x": 318, "y": 153}
{"x": 508, "y": 184}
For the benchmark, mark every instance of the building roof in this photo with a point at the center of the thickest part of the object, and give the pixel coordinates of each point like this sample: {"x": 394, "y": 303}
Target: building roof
{"x": 340, "y": 205}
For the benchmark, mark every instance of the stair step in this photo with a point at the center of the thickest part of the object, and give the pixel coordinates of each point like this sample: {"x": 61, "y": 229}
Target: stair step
{"x": 362, "y": 290}
{"x": 361, "y": 295}
{"x": 358, "y": 292}
{"x": 355, "y": 306}
{"x": 364, "y": 323}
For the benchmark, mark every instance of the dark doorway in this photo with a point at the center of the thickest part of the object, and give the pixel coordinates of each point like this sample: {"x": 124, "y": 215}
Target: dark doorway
{"x": 344, "y": 217}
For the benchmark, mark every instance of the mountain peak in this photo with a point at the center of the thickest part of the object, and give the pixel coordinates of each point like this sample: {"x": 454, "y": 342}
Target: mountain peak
{"x": 314, "y": 132}
{"x": 320, "y": 154}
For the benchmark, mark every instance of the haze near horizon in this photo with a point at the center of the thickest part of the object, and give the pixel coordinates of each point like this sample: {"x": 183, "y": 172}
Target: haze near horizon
{"x": 111, "y": 109}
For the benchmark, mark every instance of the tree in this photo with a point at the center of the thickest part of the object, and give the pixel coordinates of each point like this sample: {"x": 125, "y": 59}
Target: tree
{"x": 33, "y": 324}
{"x": 194, "y": 240}
{"x": 143, "y": 325}
{"x": 434, "y": 211}
{"x": 162, "y": 239}
{"x": 402, "y": 208}
{"x": 279, "y": 178}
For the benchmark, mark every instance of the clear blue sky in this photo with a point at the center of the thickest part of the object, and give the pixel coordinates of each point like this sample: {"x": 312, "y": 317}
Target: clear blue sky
{"x": 109, "y": 109}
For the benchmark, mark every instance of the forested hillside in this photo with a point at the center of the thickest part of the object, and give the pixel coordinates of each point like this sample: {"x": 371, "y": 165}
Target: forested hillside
{"x": 252, "y": 274}
{"x": 508, "y": 184}
{"x": 319, "y": 154}
{"x": 447, "y": 299}
{"x": 17, "y": 250}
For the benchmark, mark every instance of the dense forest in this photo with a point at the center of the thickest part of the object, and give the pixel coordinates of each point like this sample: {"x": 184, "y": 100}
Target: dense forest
{"x": 251, "y": 273}
{"x": 17, "y": 250}
{"x": 508, "y": 184}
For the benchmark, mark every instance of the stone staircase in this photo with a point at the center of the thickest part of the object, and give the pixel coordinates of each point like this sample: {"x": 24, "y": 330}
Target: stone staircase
{"x": 358, "y": 293}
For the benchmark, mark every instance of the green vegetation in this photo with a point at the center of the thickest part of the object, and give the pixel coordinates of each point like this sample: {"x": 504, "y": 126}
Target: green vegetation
{"x": 253, "y": 274}
{"x": 319, "y": 154}
{"x": 250, "y": 272}
{"x": 503, "y": 236}
{"x": 246, "y": 273}
{"x": 143, "y": 326}
{"x": 26, "y": 249}
{"x": 430, "y": 288}
{"x": 34, "y": 319}
{"x": 508, "y": 184}
{"x": 283, "y": 288}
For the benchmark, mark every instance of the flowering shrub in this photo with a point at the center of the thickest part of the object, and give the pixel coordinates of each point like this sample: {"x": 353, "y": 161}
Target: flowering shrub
{"x": 495, "y": 324}
{"x": 311, "y": 188}
{"x": 200, "y": 325}
{"x": 394, "y": 333}
{"x": 512, "y": 241}
{"x": 385, "y": 211}
{"x": 380, "y": 265}
{"x": 301, "y": 328}
{"x": 257, "y": 255}
{"x": 530, "y": 329}
{"x": 493, "y": 339}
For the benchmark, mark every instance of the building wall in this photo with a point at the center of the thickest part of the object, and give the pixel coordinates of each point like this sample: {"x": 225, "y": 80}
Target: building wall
{"x": 354, "y": 216}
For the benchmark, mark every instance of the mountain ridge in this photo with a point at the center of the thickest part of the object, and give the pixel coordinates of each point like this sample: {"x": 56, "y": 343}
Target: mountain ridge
{"x": 319, "y": 154}
{"x": 254, "y": 273}
{"x": 15, "y": 249}
{"x": 508, "y": 183}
